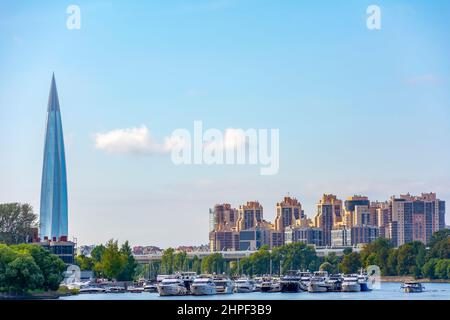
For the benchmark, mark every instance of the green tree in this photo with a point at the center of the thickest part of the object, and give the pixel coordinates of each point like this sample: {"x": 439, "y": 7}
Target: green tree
{"x": 441, "y": 269}
{"x": 113, "y": 262}
{"x": 260, "y": 261}
{"x": 85, "y": 263}
{"x": 428, "y": 269}
{"x": 180, "y": 261}
{"x": 22, "y": 275}
{"x": 351, "y": 263}
{"x": 167, "y": 261}
{"x": 411, "y": 258}
{"x": 16, "y": 223}
{"x": 129, "y": 263}
{"x": 196, "y": 265}
{"x": 377, "y": 253}
{"x": 97, "y": 253}
{"x": 50, "y": 265}
{"x": 214, "y": 263}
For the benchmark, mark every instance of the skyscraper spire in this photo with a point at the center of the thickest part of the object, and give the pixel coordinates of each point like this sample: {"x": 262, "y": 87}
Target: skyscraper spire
{"x": 53, "y": 212}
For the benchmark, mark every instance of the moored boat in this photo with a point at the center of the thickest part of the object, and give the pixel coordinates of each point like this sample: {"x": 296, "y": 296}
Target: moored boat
{"x": 350, "y": 283}
{"x": 92, "y": 290}
{"x": 318, "y": 282}
{"x": 244, "y": 285}
{"x": 203, "y": 285}
{"x": 269, "y": 284}
{"x": 223, "y": 284}
{"x": 290, "y": 282}
{"x": 412, "y": 287}
{"x": 172, "y": 286}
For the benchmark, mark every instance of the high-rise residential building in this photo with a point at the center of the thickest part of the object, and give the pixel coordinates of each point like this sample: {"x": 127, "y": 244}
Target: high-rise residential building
{"x": 53, "y": 223}
{"x": 223, "y": 217}
{"x": 224, "y": 240}
{"x": 329, "y": 213}
{"x": 417, "y": 217}
{"x": 249, "y": 215}
{"x": 307, "y": 235}
{"x": 223, "y": 235}
{"x": 288, "y": 212}
{"x": 381, "y": 216}
{"x": 357, "y": 211}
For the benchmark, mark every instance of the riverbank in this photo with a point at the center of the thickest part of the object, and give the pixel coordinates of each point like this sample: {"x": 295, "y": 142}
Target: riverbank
{"x": 33, "y": 296}
{"x": 409, "y": 278}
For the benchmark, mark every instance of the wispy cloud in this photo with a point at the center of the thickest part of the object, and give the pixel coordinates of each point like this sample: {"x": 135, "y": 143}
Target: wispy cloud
{"x": 137, "y": 140}
{"x": 423, "y": 79}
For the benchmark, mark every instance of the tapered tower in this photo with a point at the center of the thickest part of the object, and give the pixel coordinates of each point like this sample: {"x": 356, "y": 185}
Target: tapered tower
{"x": 53, "y": 223}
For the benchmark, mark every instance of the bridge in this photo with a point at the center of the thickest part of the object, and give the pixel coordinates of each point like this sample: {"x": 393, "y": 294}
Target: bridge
{"x": 234, "y": 255}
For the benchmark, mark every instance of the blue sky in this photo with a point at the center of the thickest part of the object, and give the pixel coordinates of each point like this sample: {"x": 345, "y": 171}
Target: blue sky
{"x": 359, "y": 111}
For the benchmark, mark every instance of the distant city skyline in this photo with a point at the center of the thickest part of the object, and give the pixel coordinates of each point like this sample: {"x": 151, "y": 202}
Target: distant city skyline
{"x": 358, "y": 111}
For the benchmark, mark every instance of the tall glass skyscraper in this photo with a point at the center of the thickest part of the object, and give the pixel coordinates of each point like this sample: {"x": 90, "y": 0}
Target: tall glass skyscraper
{"x": 53, "y": 214}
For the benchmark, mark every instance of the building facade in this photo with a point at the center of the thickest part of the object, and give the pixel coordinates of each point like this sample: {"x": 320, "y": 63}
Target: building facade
{"x": 329, "y": 214}
{"x": 417, "y": 217}
{"x": 307, "y": 235}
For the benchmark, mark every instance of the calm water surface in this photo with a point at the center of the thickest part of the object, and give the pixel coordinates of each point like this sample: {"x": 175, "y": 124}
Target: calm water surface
{"x": 388, "y": 291}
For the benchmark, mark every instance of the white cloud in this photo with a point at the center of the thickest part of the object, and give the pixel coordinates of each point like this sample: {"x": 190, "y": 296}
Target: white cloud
{"x": 136, "y": 140}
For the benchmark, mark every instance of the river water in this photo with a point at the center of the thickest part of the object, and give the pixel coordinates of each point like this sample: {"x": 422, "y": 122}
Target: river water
{"x": 387, "y": 291}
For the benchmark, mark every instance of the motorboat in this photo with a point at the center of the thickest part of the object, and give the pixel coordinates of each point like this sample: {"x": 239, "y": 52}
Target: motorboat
{"x": 134, "y": 289}
{"x": 334, "y": 283}
{"x": 244, "y": 285}
{"x": 269, "y": 284}
{"x": 92, "y": 289}
{"x": 363, "y": 280}
{"x": 188, "y": 278}
{"x": 115, "y": 289}
{"x": 305, "y": 278}
{"x": 350, "y": 283}
{"x": 412, "y": 287}
{"x": 318, "y": 282}
{"x": 203, "y": 285}
{"x": 148, "y": 287}
{"x": 172, "y": 286}
{"x": 290, "y": 282}
{"x": 223, "y": 284}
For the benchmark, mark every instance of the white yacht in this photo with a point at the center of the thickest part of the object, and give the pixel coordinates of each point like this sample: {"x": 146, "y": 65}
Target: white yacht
{"x": 188, "y": 278}
{"x": 244, "y": 285}
{"x": 305, "y": 278}
{"x": 223, "y": 284}
{"x": 318, "y": 282}
{"x": 269, "y": 284}
{"x": 350, "y": 283}
{"x": 203, "y": 285}
{"x": 172, "y": 286}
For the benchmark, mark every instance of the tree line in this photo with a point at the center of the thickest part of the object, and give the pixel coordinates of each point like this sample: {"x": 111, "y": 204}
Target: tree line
{"x": 28, "y": 268}
{"x": 109, "y": 261}
{"x": 411, "y": 259}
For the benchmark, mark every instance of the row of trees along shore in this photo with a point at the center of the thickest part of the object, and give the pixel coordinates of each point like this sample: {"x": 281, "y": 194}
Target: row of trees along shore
{"x": 411, "y": 259}
{"x": 28, "y": 267}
